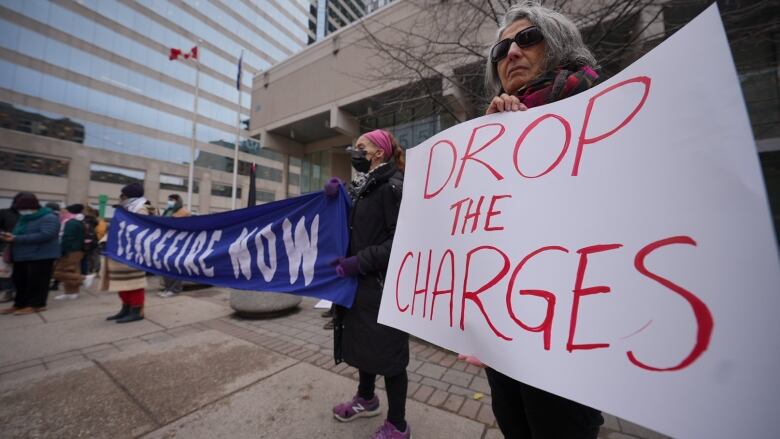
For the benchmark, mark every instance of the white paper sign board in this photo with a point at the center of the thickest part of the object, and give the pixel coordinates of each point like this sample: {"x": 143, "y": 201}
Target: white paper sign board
{"x": 643, "y": 248}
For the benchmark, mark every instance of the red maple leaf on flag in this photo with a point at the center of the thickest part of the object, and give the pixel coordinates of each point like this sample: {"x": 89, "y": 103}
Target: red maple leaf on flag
{"x": 176, "y": 53}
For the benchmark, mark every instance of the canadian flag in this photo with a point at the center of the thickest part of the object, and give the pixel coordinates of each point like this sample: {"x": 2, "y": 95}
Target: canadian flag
{"x": 176, "y": 53}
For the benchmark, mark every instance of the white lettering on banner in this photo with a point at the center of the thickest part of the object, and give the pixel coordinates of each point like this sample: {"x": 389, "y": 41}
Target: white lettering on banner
{"x": 139, "y": 247}
{"x": 172, "y": 249}
{"x": 197, "y": 246}
{"x": 129, "y": 242}
{"x": 239, "y": 254}
{"x": 301, "y": 249}
{"x": 209, "y": 271}
{"x": 267, "y": 271}
{"x": 159, "y": 247}
{"x": 148, "y": 246}
{"x": 182, "y": 251}
{"x": 119, "y": 249}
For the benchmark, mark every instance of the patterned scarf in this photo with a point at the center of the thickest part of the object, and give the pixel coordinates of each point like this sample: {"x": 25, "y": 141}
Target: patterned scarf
{"x": 359, "y": 182}
{"x": 557, "y": 84}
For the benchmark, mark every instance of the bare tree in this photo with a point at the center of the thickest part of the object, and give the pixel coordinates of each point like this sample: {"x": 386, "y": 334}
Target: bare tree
{"x": 437, "y": 57}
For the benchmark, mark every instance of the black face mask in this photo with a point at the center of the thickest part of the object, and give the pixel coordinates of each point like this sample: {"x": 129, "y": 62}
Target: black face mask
{"x": 359, "y": 160}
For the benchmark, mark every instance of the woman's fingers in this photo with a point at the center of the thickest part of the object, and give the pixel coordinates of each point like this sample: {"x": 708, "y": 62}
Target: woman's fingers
{"x": 505, "y": 102}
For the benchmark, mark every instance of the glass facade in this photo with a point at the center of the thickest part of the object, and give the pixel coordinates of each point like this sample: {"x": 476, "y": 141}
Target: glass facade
{"x": 102, "y": 67}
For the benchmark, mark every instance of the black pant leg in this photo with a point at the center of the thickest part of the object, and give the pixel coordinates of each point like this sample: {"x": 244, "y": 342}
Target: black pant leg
{"x": 38, "y": 283}
{"x": 396, "y": 387}
{"x": 20, "y": 277}
{"x": 508, "y": 407}
{"x": 366, "y": 385}
{"x": 551, "y": 416}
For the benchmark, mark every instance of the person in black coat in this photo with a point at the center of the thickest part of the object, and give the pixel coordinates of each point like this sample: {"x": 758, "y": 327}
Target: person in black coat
{"x": 374, "y": 349}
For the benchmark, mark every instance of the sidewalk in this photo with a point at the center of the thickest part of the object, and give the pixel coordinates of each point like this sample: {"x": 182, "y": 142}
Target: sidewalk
{"x": 193, "y": 370}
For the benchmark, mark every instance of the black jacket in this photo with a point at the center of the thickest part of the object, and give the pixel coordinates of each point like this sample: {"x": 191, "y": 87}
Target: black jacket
{"x": 8, "y": 219}
{"x": 360, "y": 340}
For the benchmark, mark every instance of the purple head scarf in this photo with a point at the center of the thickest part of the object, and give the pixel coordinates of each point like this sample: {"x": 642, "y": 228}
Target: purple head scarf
{"x": 381, "y": 139}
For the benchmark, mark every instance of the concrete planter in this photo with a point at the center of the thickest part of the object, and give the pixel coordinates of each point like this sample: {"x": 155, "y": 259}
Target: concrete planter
{"x": 259, "y": 304}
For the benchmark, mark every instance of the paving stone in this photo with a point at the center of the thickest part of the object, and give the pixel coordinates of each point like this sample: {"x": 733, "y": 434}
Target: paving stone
{"x": 438, "y": 398}
{"x": 493, "y": 433}
{"x": 481, "y": 385}
{"x": 470, "y": 408}
{"x": 414, "y": 364}
{"x": 423, "y": 393}
{"x": 431, "y": 370}
{"x": 453, "y": 403}
{"x": 459, "y": 365}
{"x": 414, "y": 377}
{"x": 435, "y": 383}
{"x": 474, "y": 370}
{"x": 436, "y": 357}
{"x": 485, "y": 415}
{"x": 411, "y": 388}
{"x": 448, "y": 360}
{"x": 458, "y": 378}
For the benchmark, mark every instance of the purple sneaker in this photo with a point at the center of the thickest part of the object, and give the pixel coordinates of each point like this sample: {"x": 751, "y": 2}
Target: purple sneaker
{"x": 357, "y": 407}
{"x": 388, "y": 431}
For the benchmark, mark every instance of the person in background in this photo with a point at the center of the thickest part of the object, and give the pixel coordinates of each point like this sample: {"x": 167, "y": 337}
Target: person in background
{"x": 8, "y": 219}
{"x": 539, "y": 57}
{"x": 68, "y": 267}
{"x": 174, "y": 209}
{"x": 55, "y": 208}
{"x": 91, "y": 248}
{"x": 374, "y": 349}
{"x": 128, "y": 282}
{"x": 34, "y": 247}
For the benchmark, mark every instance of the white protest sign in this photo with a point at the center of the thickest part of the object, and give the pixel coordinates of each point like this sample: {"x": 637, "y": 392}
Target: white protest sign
{"x": 614, "y": 248}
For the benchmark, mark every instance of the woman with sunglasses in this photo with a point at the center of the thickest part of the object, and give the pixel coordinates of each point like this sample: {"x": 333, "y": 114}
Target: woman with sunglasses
{"x": 539, "y": 58}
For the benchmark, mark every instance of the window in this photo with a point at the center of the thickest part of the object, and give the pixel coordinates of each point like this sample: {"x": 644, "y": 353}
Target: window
{"x": 223, "y": 190}
{"x": 176, "y": 183}
{"x": 115, "y": 174}
{"x": 33, "y": 164}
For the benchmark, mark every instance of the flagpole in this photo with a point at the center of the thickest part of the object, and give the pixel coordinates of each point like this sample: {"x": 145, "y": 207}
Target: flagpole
{"x": 192, "y": 144}
{"x": 238, "y": 134}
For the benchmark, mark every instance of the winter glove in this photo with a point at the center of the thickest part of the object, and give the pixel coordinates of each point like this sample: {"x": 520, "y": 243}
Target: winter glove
{"x": 347, "y": 267}
{"x": 332, "y": 187}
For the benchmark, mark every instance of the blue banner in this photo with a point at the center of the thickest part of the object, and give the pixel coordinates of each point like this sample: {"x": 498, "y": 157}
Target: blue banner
{"x": 285, "y": 246}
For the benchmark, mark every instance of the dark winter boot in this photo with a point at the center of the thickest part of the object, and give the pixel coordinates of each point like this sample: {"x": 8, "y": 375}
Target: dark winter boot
{"x": 135, "y": 314}
{"x": 122, "y": 313}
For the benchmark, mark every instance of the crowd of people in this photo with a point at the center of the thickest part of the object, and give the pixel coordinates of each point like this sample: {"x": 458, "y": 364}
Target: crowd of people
{"x": 48, "y": 248}
{"x": 539, "y": 57}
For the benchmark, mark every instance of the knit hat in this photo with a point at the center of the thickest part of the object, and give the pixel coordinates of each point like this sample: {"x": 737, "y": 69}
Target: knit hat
{"x": 75, "y": 208}
{"x": 26, "y": 201}
{"x": 55, "y": 207}
{"x": 133, "y": 190}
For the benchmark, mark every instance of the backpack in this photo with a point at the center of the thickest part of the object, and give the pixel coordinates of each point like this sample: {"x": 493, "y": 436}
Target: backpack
{"x": 90, "y": 236}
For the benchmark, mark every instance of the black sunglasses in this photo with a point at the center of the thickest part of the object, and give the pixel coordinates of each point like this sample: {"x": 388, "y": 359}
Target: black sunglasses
{"x": 525, "y": 38}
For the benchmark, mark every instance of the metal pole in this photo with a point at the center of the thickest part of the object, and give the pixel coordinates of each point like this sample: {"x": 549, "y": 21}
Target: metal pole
{"x": 192, "y": 144}
{"x": 235, "y": 149}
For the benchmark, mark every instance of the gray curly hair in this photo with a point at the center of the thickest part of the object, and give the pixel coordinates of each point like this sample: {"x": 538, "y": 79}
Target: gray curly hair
{"x": 563, "y": 41}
